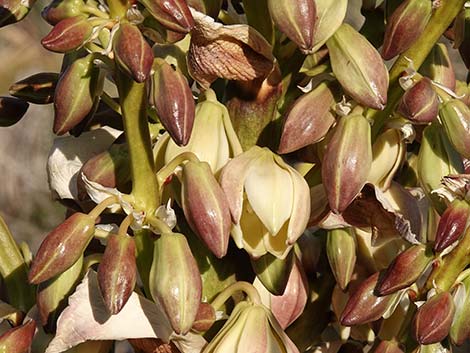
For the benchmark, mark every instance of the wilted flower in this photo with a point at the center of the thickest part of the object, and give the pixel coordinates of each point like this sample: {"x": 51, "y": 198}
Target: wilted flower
{"x": 265, "y": 221}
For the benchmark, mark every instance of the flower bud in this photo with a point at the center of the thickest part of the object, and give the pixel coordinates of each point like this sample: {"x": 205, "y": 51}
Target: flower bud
{"x": 462, "y": 91}
{"x": 52, "y": 295}
{"x": 175, "y": 281}
{"x": 117, "y": 272}
{"x": 462, "y": 40}
{"x": 37, "y": 89}
{"x": 455, "y": 116}
{"x": 347, "y": 161}
{"x": 174, "y": 102}
{"x": 18, "y": 339}
{"x": 452, "y": 224}
{"x": 11, "y": 110}
{"x": 12, "y": 11}
{"x": 330, "y": 16}
{"x": 62, "y": 247}
{"x": 251, "y": 328}
{"x": 341, "y": 252}
{"x": 75, "y": 95}
{"x": 206, "y": 207}
{"x": 358, "y": 67}
{"x": 132, "y": 52}
{"x": 296, "y": 19}
{"x": 272, "y": 272}
{"x": 420, "y": 103}
{"x": 432, "y": 322}
{"x": 438, "y": 66}
{"x": 59, "y": 10}
{"x": 309, "y": 252}
{"x": 67, "y": 35}
{"x": 303, "y": 125}
{"x": 364, "y": 306}
{"x": 413, "y": 14}
{"x": 460, "y": 329}
{"x": 405, "y": 269}
{"x": 172, "y": 14}
{"x": 388, "y": 347}
{"x": 205, "y": 318}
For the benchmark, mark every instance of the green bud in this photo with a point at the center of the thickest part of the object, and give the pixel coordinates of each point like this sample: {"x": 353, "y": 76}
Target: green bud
{"x": 341, "y": 252}
{"x": 175, "y": 281}
{"x": 18, "y": 339}
{"x": 59, "y": 10}
{"x": 273, "y": 272}
{"x": 12, "y": 11}
{"x": 330, "y": 16}
{"x": 67, "y": 35}
{"x": 347, "y": 161}
{"x": 11, "y": 110}
{"x": 37, "y": 89}
{"x": 420, "y": 103}
{"x": 438, "y": 66}
{"x": 173, "y": 14}
{"x": 358, "y": 67}
{"x": 62, "y": 247}
{"x": 455, "y": 116}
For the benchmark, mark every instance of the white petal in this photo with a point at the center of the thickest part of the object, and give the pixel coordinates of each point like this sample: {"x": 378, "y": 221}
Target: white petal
{"x": 278, "y": 245}
{"x": 67, "y": 156}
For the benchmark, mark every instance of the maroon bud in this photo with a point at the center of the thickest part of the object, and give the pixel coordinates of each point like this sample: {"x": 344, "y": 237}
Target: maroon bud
{"x": 59, "y": 10}
{"x": 420, "y": 103}
{"x": 433, "y": 320}
{"x": 174, "y": 102}
{"x": 37, "y": 89}
{"x": 404, "y": 270}
{"x": 132, "y": 52}
{"x": 67, "y": 35}
{"x": 205, "y": 318}
{"x": 117, "y": 272}
{"x": 173, "y": 14}
{"x": 18, "y": 339}
{"x": 62, "y": 247}
{"x": 11, "y": 110}
{"x": 452, "y": 224}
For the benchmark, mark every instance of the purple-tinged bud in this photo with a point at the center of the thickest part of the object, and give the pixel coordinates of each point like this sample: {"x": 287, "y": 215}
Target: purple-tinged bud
{"x": 347, "y": 161}
{"x": 175, "y": 281}
{"x": 172, "y": 14}
{"x": 273, "y": 272}
{"x": 420, "y": 103}
{"x": 387, "y": 347}
{"x": 206, "y": 207}
{"x": 132, "y": 52}
{"x": 205, "y": 318}
{"x": 452, "y": 224}
{"x": 460, "y": 329}
{"x": 305, "y": 126}
{"x": 76, "y": 93}
{"x": 117, "y": 272}
{"x": 296, "y": 19}
{"x": 432, "y": 322}
{"x": 404, "y": 270}
{"x": 405, "y": 26}
{"x": 455, "y": 116}
{"x": 18, "y": 339}
{"x": 59, "y": 10}
{"x": 62, "y": 247}
{"x": 67, "y": 35}
{"x": 11, "y": 110}
{"x": 438, "y": 66}
{"x": 174, "y": 102}
{"x": 358, "y": 67}
{"x": 37, "y": 89}
{"x": 364, "y": 306}
{"x": 341, "y": 253}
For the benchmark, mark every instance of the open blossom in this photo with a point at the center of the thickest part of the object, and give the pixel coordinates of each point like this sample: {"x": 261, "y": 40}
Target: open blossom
{"x": 269, "y": 202}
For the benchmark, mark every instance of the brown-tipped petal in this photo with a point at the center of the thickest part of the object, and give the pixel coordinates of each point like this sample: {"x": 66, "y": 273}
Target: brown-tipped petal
{"x": 358, "y": 67}
{"x": 404, "y": 26}
{"x": 175, "y": 281}
{"x": 433, "y": 320}
{"x": 59, "y": 10}
{"x": 67, "y": 35}
{"x": 347, "y": 161}
{"x": 303, "y": 125}
{"x": 117, "y": 272}
{"x": 420, "y": 103}
{"x": 296, "y": 19}
{"x": 11, "y": 110}
{"x": 387, "y": 347}
{"x": 18, "y": 339}
{"x": 37, "y": 89}
{"x": 205, "y": 318}
{"x": 438, "y": 66}
{"x": 273, "y": 272}
{"x": 455, "y": 116}
{"x": 173, "y": 14}
{"x": 364, "y": 306}
{"x": 62, "y": 247}
{"x": 404, "y": 270}
{"x": 452, "y": 224}
{"x": 174, "y": 102}
{"x": 206, "y": 207}
{"x": 132, "y": 52}
{"x": 76, "y": 93}
{"x": 341, "y": 252}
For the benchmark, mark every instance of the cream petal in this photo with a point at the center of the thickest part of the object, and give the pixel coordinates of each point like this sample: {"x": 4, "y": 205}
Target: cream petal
{"x": 278, "y": 245}
{"x": 269, "y": 190}
{"x": 255, "y": 335}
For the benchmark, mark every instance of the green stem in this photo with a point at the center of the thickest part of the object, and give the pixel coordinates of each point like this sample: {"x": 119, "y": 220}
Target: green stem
{"x": 159, "y": 225}
{"x": 440, "y": 21}
{"x": 133, "y": 99}
{"x": 99, "y": 209}
{"x": 170, "y": 167}
{"x": 251, "y": 292}
{"x": 118, "y": 8}
{"x": 111, "y": 103}
{"x": 94, "y": 11}
{"x": 125, "y": 224}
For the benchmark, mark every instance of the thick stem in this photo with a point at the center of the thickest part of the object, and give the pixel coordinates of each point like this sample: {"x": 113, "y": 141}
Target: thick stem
{"x": 133, "y": 99}
{"x": 170, "y": 167}
{"x": 440, "y": 21}
{"x": 250, "y": 291}
{"x": 118, "y": 8}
